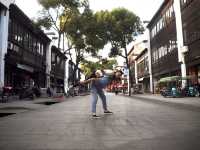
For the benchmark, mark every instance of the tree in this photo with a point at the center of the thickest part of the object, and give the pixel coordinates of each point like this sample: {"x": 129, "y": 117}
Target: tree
{"x": 120, "y": 28}
{"x": 82, "y": 36}
{"x": 88, "y": 66}
{"x": 53, "y": 10}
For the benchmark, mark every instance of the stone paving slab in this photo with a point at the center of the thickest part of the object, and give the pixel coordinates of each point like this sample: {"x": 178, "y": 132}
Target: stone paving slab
{"x": 135, "y": 125}
{"x": 184, "y": 101}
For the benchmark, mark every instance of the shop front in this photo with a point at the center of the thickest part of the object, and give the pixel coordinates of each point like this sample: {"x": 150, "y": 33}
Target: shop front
{"x": 20, "y": 75}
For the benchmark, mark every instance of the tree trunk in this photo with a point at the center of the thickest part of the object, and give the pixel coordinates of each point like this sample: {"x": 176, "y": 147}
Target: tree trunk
{"x": 63, "y": 41}
{"x": 129, "y": 71}
{"x": 59, "y": 39}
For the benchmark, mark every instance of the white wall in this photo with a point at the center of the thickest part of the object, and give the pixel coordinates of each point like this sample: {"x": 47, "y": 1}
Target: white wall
{"x": 66, "y": 77}
{"x": 179, "y": 31}
{"x": 4, "y": 18}
{"x": 48, "y": 64}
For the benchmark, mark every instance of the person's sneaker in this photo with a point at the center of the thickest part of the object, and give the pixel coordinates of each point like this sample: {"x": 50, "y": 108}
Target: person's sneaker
{"x": 95, "y": 116}
{"x": 108, "y": 112}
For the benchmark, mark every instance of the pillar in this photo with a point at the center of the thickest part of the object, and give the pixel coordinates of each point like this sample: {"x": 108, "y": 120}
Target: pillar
{"x": 4, "y": 19}
{"x": 179, "y": 30}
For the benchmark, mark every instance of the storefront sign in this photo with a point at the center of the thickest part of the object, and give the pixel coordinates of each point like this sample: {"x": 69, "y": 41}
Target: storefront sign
{"x": 25, "y": 67}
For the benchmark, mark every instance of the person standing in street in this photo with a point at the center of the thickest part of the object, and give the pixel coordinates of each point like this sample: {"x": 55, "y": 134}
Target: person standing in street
{"x": 98, "y": 82}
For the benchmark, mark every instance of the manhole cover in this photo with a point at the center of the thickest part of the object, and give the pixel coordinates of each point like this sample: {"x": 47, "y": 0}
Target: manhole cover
{"x": 48, "y": 103}
{"x": 6, "y": 114}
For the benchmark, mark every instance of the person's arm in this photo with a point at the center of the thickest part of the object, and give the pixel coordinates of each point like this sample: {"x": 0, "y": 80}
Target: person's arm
{"x": 108, "y": 72}
{"x": 89, "y": 80}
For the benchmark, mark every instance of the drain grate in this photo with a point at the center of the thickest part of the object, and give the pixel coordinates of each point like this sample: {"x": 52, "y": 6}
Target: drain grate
{"x": 47, "y": 103}
{"x": 6, "y": 114}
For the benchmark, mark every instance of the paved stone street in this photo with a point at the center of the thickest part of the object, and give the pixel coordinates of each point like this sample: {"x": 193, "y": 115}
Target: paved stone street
{"x": 135, "y": 125}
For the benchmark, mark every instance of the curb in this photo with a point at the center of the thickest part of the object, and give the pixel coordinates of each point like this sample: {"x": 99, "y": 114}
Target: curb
{"x": 169, "y": 103}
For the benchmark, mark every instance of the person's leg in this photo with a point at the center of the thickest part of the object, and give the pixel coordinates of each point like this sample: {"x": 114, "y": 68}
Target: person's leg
{"x": 103, "y": 98}
{"x": 94, "y": 98}
{"x": 104, "y": 103}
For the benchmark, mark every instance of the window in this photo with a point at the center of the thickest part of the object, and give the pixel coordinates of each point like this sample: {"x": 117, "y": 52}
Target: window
{"x": 62, "y": 64}
{"x": 53, "y": 57}
{"x": 42, "y": 49}
{"x": 30, "y": 42}
{"x": 58, "y": 59}
{"x": 34, "y": 45}
{"x": 38, "y": 47}
{"x": 26, "y": 40}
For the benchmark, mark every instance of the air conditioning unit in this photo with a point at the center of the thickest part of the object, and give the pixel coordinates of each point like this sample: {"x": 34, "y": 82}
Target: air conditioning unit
{"x": 184, "y": 49}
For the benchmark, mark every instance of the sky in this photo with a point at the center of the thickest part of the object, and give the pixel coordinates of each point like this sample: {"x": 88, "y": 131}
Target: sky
{"x": 145, "y": 9}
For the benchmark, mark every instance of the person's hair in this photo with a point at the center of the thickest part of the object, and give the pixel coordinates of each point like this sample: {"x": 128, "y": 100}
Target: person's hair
{"x": 114, "y": 76}
{"x": 119, "y": 72}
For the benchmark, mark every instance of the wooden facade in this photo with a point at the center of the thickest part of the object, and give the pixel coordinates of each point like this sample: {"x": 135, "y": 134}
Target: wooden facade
{"x": 58, "y": 60}
{"x": 73, "y": 76}
{"x": 191, "y": 29}
{"x": 26, "y": 56}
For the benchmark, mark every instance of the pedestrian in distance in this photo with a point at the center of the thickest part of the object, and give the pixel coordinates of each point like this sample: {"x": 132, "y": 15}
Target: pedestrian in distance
{"x": 99, "y": 80}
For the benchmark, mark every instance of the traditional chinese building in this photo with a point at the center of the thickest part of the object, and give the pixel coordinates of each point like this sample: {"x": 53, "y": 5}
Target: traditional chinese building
{"x": 58, "y": 60}
{"x": 25, "y": 60}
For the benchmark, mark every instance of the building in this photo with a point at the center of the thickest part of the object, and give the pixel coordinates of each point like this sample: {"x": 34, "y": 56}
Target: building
{"x": 163, "y": 42}
{"x": 191, "y": 36}
{"x": 74, "y": 74}
{"x": 4, "y": 19}
{"x": 25, "y": 60}
{"x": 139, "y": 62}
{"x": 175, "y": 40}
{"x": 58, "y": 60}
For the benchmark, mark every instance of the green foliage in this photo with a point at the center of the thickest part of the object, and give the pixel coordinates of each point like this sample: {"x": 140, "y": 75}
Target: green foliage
{"x": 47, "y": 4}
{"x": 118, "y": 27}
{"x": 88, "y": 66}
{"x": 82, "y": 33}
{"x": 45, "y": 22}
